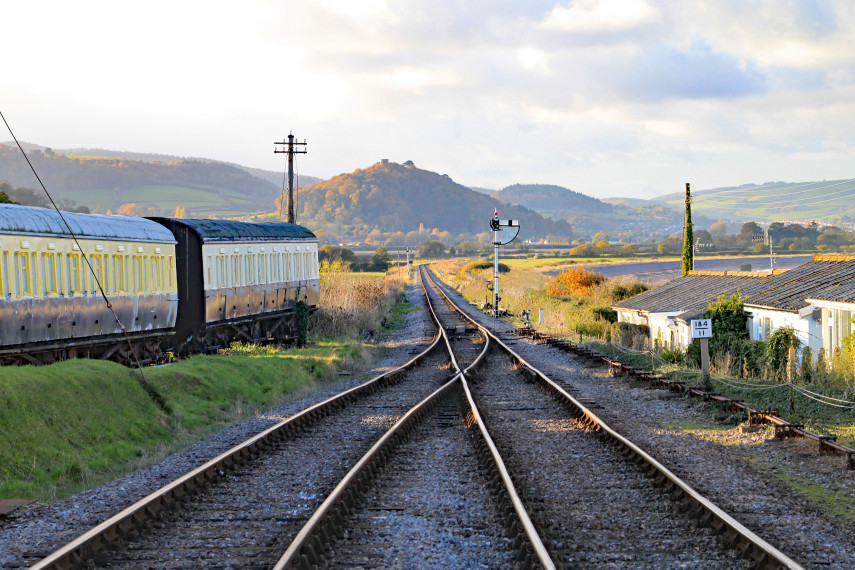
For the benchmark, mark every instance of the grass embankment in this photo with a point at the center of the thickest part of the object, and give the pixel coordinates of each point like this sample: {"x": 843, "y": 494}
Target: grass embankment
{"x": 73, "y": 425}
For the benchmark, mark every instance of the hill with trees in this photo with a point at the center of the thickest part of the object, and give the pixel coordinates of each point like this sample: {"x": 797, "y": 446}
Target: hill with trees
{"x": 399, "y": 203}
{"x": 556, "y": 201}
{"x": 156, "y": 184}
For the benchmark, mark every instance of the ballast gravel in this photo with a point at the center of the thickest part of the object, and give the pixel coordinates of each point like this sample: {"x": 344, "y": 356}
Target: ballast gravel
{"x": 742, "y": 472}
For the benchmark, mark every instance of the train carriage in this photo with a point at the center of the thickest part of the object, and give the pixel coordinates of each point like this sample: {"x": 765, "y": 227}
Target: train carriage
{"x": 50, "y": 305}
{"x": 240, "y": 281}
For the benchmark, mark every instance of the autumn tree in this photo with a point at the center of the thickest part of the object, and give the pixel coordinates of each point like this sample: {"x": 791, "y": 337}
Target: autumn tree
{"x": 130, "y": 209}
{"x": 431, "y": 248}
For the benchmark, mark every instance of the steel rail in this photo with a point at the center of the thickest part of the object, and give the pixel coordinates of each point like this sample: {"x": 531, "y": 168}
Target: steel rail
{"x": 528, "y": 529}
{"x": 750, "y": 545}
{"x": 112, "y": 531}
{"x": 308, "y": 546}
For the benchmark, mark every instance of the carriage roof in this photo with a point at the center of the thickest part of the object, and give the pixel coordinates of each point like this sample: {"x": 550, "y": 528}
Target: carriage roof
{"x": 211, "y": 231}
{"x": 31, "y": 220}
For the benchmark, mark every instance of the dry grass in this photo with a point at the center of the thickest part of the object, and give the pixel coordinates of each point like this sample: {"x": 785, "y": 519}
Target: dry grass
{"x": 353, "y": 304}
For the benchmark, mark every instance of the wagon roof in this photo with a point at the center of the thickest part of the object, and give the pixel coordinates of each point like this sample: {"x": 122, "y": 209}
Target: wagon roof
{"x": 30, "y": 220}
{"x": 228, "y": 230}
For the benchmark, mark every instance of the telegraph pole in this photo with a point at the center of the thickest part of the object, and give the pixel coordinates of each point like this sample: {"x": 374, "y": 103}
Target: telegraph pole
{"x": 292, "y": 147}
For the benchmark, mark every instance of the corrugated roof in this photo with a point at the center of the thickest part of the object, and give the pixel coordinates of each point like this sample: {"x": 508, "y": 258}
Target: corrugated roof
{"x": 30, "y": 220}
{"x": 226, "y": 230}
{"x": 825, "y": 277}
{"x": 691, "y": 294}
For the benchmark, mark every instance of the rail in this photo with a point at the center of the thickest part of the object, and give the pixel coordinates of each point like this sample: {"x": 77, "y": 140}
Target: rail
{"x": 747, "y": 543}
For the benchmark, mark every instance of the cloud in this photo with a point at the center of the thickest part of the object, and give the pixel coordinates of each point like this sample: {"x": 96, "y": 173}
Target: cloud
{"x": 593, "y": 16}
{"x": 666, "y": 72}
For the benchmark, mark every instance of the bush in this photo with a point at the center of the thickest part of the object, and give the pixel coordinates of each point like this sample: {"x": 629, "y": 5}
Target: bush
{"x": 621, "y": 291}
{"x": 606, "y": 313}
{"x": 479, "y": 265}
{"x": 777, "y": 351}
{"x": 577, "y": 281}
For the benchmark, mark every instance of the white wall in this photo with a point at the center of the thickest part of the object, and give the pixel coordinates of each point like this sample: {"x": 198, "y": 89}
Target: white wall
{"x": 764, "y": 321}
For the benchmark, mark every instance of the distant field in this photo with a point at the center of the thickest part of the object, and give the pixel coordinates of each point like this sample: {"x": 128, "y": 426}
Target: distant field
{"x": 825, "y": 200}
{"x": 199, "y": 201}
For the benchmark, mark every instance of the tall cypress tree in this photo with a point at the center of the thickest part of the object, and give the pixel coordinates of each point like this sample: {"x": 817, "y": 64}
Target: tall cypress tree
{"x": 688, "y": 238}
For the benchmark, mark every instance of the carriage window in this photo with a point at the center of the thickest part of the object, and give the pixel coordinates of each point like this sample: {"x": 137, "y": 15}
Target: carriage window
{"x": 121, "y": 283}
{"x": 146, "y": 284}
{"x": 221, "y": 271}
{"x": 48, "y": 273}
{"x": 4, "y": 274}
{"x": 105, "y": 273}
{"x": 97, "y": 273}
{"x": 23, "y": 281}
{"x": 60, "y": 282}
{"x": 210, "y": 270}
{"x": 137, "y": 279}
{"x": 171, "y": 271}
{"x": 155, "y": 274}
{"x": 73, "y": 262}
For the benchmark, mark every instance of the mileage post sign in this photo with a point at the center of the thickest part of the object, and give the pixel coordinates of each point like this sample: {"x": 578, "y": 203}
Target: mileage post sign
{"x": 702, "y": 329}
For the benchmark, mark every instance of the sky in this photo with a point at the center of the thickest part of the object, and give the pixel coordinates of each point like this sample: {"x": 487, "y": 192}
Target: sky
{"x": 606, "y": 97}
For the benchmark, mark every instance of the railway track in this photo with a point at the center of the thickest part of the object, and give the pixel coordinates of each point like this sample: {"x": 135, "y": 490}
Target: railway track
{"x": 333, "y": 487}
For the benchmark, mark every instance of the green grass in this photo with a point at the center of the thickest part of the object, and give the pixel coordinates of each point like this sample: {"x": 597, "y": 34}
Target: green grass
{"x": 776, "y": 201}
{"x": 75, "y": 424}
{"x": 198, "y": 200}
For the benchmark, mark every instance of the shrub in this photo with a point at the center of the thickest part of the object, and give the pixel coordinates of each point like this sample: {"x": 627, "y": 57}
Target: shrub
{"x": 578, "y": 281}
{"x": 479, "y": 265}
{"x": 606, "y": 313}
{"x": 621, "y": 291}
{"x": 777, "y": 351}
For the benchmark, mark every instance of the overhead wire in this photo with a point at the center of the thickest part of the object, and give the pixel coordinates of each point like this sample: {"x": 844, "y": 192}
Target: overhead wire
{"x": 158, "y": 399}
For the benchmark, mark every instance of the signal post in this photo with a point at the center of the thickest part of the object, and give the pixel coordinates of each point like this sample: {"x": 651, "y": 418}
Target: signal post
{"x": 496, "y": 226}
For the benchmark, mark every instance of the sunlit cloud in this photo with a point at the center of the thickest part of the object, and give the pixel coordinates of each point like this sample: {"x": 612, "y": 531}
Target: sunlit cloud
{"x": 592, "y": 16}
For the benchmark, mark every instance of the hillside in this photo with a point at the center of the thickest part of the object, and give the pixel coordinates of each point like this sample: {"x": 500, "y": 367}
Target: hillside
{"x": 106, "y": 180}
{"x": 550, "y": 200}
{"x": 826, "y": 201}
{"x": 390, "y": 200}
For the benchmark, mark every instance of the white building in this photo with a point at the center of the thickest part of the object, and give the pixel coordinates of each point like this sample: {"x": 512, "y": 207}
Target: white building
{"x": 669, "y": 308}
{"x": 816, "y": 299}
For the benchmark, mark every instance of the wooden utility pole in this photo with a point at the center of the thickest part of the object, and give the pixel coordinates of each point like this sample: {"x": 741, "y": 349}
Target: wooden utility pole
{"x": 292, "y": 147}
